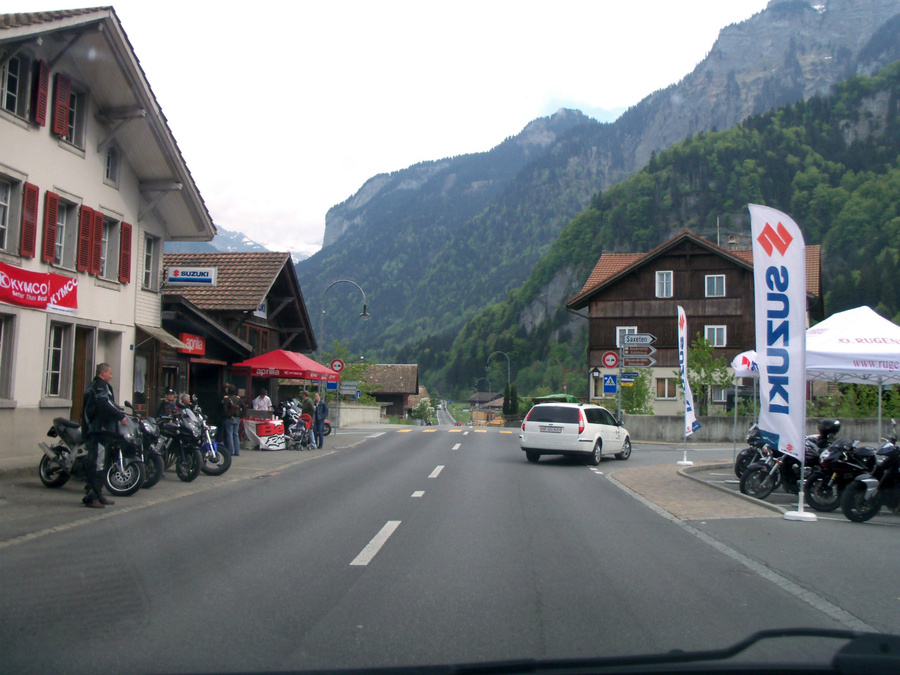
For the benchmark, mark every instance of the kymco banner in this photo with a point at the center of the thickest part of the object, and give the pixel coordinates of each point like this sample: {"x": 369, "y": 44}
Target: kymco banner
{"x": 779, "y": 274}
{"x": 24, "y": 288}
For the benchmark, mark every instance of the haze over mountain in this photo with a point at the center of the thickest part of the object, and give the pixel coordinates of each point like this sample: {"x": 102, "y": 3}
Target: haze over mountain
{"x": 433, "y": 244}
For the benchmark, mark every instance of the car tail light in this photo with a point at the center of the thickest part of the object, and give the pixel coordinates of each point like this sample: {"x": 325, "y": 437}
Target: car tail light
{"x": 580, "y": 421}
{"x": 525, "y": 420}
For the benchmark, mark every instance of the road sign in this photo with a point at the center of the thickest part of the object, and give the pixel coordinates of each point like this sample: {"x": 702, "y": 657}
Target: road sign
{"x": 638, "y": 339}
{"x": 610, "y": 359}
{"x": 637, "y": 361}
{"x": 630, "y": 376}
{"x": 337, "y": 365}
{"x": 609, "y": 384}
{"x": 638, "y": 350}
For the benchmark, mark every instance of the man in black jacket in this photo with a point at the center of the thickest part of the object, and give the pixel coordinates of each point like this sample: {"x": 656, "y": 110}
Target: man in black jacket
{"x": 99, "y": 417}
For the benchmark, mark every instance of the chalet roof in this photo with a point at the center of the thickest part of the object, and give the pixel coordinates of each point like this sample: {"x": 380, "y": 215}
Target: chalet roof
{"x": 613, "y": 266}
{"x": 386, "y": 378}
{"x": 119, "y": 90}
{"x": 484, "y": 397}
{"x": 414, "y": 400}
{"x": 242, "y": 279}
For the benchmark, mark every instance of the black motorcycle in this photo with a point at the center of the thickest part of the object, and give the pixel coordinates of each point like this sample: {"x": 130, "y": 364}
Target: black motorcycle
{"x": 183, "y": 439}
{"x": 864, "y": 497}
{"x": 67, "y": 456}
{"x": 747, "y": 456}
{"x": 151, "y": 442}
{"x": 839, "y": 465}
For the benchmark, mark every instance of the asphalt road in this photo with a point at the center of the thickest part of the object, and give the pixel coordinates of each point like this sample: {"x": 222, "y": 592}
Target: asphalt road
{"x": 408, "y": 547}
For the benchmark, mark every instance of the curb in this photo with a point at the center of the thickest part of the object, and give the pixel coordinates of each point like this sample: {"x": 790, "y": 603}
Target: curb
{"x": 688, "y": 470}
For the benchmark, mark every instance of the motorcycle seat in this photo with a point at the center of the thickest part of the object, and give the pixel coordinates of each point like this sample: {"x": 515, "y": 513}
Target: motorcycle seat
{"x": 66, "y": 423}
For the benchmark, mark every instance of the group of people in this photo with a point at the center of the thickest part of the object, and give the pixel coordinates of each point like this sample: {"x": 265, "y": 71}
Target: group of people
{"x": 101, "y": 415}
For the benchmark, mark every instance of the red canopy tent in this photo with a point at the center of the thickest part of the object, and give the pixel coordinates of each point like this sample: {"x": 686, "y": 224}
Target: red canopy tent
{"x": 281, "y": 363}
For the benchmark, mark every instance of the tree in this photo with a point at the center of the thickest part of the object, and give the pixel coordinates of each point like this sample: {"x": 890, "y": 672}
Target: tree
{"x": 423, "y": 410}
{"x": 638, "y": 398}
{"x": 706, "y": 371}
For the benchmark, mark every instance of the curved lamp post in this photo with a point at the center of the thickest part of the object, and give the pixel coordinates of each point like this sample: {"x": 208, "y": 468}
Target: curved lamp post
{"x": 363, "y": 315}
{"x": 507, "y": 364}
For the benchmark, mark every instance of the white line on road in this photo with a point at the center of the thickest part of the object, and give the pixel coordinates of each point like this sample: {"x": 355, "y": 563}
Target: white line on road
{"x": 366, "y": 555}
{"x": 418, "y": 493}
{"x": 436, "y": 472}
{"x": 456, "y": 447}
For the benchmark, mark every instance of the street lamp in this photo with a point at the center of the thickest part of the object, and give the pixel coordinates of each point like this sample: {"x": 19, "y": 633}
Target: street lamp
{"x": 507, "y": 364}
{"x": 363, "y": 315}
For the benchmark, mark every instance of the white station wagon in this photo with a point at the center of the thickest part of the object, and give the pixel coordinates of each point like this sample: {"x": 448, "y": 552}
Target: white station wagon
{"x": 581, "y": 429}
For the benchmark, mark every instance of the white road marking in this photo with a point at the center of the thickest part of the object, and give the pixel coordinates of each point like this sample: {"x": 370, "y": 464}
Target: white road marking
{"x": 418, "y": 493}
{"x": 365, "y": 556}
{"x": 436, "y": 472}
{"x": 456, "y": 447}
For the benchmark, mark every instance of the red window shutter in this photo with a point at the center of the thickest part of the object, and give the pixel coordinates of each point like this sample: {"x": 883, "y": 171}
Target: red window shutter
{"x": 28, "y": 240}
{"x": 96, "y": 243}
{"x": 51, "y": 210}
{"x": 125, "y": 254}
{"x": 61, "y": 105}
{"x": 41, "y": 93}
{"x": 85, "y": 218}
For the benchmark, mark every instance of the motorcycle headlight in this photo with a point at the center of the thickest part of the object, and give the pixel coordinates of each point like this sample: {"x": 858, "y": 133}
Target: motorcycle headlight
{"x": 212, "y": 430}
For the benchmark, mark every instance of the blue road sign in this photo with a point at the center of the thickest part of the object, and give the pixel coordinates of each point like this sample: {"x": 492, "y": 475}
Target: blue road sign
{"x": 609, "y": 384}
{"x": 630, "y": 376}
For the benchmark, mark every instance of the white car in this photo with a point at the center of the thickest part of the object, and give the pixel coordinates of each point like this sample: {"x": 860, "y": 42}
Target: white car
{"x": 578, "y": 429}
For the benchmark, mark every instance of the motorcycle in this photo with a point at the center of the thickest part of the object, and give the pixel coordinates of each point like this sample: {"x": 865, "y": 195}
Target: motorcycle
{"x": 183, "y": 438}
{"x": 216, "y": 457}
{"x": 787, "y": 471}
{"x": 839, "y": 465}
{"x": 297, "y": 430}
{"x": 748, "y": 456}
{"x": 864, "y": 497}
{"x": 154, "y": 464}
{"x": 67, "y": 457}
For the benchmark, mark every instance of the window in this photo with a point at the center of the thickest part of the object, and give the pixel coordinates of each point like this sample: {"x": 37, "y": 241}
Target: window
{"x": 666, "y": 387}
{"x": 664, "y": 284}
{"x": 715, "y": 285}
{"x": 111, "y": 174}
{"x": 7, "y": 330}
{"x": 66, "y": 231}
{"x": 5, "y": 197}
{"x": 14, "y": 86}
{"x": 18, "y": 213}
{"x": 719, "y": 395}
{"x": 715, "y": 335}
{"x": 151, "y": 263}
{"x": 59, "y": 348}
{"x": 624, "y": 330}
{"x": 69, "y": 111}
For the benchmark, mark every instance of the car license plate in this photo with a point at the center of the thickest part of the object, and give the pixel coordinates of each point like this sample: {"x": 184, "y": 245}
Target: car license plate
{"x": 551, "y": 430}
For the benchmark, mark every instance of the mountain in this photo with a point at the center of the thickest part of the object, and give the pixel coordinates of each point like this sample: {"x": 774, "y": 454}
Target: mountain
{"x": 832, "y": 163}
{"x": 225, "y": 241}
{"x": 434, "y": 244}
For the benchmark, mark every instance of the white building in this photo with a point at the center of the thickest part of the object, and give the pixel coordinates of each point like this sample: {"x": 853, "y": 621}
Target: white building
{"x": 91, "y": 185}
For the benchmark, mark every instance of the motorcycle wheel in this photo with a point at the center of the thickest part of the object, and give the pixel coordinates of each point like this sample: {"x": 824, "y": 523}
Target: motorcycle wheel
{"x": 855, "y": 505}
{"x": 744, "y": 458}
{"x": 189, "y": 468}
{"x": 168, "y": 458}
{"x": 326, "y": 429}
{"x": 756, "y": 481}
{"x": 154, "y": 468}
{"x": 52, "y": 474}
{"x": 820, "y": 496}
{"x": 218, "y": 465}
{"x": 126, "y": 480}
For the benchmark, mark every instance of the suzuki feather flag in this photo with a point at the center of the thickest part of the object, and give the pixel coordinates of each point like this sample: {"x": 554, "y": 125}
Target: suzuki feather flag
{"x": 690, "y": 419}
{"x": 779, "y": 274}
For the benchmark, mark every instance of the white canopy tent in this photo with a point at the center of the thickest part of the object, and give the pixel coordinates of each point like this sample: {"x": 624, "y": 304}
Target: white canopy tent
{"x": 858, "y": 346}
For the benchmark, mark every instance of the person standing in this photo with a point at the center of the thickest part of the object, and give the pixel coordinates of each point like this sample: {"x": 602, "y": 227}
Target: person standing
{"x": 262, "y": 402}
{"x": 321, "y": 414}
{"x": 234, "y": 410}
{"x": 168, "y": 406}
{"x": 99, "y": 417}
{"x": 307, "y": 408}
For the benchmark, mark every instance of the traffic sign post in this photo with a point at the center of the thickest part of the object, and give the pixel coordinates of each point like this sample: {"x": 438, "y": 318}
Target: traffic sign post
{"x": 637, "y": 361}
{"x": 610, "y": 359}
{"x": 609, "y": 384}
{"x": 630, "y": 339}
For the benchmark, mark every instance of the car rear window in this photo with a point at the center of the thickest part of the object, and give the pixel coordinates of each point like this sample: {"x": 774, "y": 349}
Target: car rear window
{"x": 552, "y": 413}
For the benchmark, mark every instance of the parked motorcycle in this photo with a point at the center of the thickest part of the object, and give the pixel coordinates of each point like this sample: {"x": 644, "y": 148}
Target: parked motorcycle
{"x": 152, "y": 442}
{"x": 839, "y": 464}
{"x": 67, "y": 456}
{"x": 183, "y": 439}
{"x": 216, "y": 456}
{"x": 864, "y": 497}
{"x": 747, "y": 456}
{"x": 297, "y": 429}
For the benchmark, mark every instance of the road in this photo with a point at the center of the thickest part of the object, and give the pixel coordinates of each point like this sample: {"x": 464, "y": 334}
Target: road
{"x": 420, "y": 546}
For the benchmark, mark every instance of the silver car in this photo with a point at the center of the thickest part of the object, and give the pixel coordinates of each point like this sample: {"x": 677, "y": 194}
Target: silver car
{"x": 581, "y": 429}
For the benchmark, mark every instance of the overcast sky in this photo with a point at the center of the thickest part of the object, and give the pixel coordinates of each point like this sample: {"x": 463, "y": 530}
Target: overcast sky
{"x": 284, "y": 109}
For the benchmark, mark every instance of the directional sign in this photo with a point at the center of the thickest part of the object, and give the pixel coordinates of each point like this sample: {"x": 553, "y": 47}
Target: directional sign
{"x": 638, "y": 350}
{"x": 610, "y": 359}
{"x": 630, "y": 376}
{"x": 637, "y": 361}
{"x": 638, "y": 339}
{"x": 609, "y": 384}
